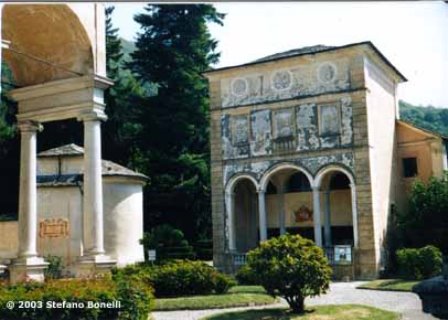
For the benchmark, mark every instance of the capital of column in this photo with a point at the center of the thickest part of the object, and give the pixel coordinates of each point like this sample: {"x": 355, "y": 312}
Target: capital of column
{"x": 261, "y": 191}
{"x": 94, "y": 115}
{"x": 29, "y": 126}
{"x": 315, "y": 188}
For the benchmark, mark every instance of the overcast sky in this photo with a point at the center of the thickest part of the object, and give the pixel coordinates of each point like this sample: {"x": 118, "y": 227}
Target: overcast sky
{"x": 412, "y": 35}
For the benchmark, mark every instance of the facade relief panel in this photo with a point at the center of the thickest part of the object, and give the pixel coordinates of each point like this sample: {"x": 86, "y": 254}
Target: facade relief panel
{"x": 297, "y": 81}
{"x": 307, "y": 127}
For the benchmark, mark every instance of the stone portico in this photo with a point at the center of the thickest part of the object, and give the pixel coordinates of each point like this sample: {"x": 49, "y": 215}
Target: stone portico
{"x": 303, "y": 142}
{"x": 56, "y": 54}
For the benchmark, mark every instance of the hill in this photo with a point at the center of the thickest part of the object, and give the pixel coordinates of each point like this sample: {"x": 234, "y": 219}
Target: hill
{"x": 431, "y": 118}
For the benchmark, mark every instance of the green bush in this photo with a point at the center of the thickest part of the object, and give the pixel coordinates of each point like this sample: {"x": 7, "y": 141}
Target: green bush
{"x": 135, "y": 300}
{"x": 54, "y": 269}
{"x": 418, "y": 264}
{"x": 222, "y": 283}
{"x": 178, "y": 278}
{"x": 291, "y": 267}
{"x": 244, "y": 276}
{"x": 168, "y": 242}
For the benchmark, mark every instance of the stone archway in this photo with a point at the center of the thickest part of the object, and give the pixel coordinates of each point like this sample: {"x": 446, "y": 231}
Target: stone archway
{"x": 57, "y": 58}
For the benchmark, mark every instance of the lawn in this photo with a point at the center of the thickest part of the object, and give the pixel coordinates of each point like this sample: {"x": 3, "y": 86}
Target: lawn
{"x": 389, "y": 285}
{"x": 330, "y": 312}
{"x": 238, "y": 296}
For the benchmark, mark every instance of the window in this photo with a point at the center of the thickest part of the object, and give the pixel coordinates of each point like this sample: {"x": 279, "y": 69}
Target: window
{"x": 410, "y": 167}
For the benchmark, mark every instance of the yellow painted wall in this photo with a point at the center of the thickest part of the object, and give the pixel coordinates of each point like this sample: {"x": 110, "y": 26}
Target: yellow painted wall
{"x": 340, "y": 208}
{"x": 9, "y": 239}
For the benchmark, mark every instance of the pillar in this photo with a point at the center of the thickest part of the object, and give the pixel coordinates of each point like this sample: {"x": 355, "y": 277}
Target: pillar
{"x": 327, "y": 222}
{"x": 262, "y": 215}
{"x": 94, "y": 259}
{"x": 354, "y": 215}
{"x": 28, "y": 266}
{"x": 316, "y": 216}
{"x": 230, "y": 209}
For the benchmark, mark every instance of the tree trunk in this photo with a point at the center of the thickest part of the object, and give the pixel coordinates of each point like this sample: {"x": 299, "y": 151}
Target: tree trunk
{"x": 297, "y": 304}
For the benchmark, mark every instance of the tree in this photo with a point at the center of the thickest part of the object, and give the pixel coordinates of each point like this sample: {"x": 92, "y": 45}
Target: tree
{"x": 426, "y": 222}
{"x": 291, "y": 267}
{"x": 172, "y": 51}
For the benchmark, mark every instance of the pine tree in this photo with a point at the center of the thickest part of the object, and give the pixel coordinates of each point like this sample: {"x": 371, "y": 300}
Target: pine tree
{"x": 172, "y": 51}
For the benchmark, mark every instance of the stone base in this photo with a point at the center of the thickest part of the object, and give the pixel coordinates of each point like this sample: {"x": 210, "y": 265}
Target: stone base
{"x": 95, "y": 266}
{"x": 27, "y": 269}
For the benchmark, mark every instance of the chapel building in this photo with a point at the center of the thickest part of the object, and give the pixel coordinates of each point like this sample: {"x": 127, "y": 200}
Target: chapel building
{"x": 309, "y": 141}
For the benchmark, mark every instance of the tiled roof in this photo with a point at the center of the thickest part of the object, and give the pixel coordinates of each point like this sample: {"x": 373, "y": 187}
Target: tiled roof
{"x": 109, "y": 168}
{"x": 66, "y": 150}
{"x": 294, "y": 52}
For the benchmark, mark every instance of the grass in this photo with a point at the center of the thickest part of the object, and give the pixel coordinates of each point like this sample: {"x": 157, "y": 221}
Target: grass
{"x": 239, "y": 296}
{"x": 330, "y": 312}
{"x": 389, "y": 285}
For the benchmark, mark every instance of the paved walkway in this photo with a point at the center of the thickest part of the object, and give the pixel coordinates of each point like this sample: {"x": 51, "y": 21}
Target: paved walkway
{"x": 408, "y": 304}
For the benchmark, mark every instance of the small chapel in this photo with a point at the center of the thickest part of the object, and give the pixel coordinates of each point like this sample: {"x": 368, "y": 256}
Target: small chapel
{"x": 309, "y": 141}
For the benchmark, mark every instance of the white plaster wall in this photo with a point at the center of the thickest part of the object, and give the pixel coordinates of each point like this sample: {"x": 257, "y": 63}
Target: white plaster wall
{"x": 61, "y": 203}
{"x": 123, "y": 220}
{"x": 9, "y": 240}
{"x": 380, "y": 101}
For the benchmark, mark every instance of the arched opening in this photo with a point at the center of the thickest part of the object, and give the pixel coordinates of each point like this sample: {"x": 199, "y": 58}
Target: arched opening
{"x": 336, "y": 205}
{"x": 290, "y": 208}
{"x": 46, "y": 43}
{"x": 245, "y": 215}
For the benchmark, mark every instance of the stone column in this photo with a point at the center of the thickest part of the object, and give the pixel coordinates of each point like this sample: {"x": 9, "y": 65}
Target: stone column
{"x": 354, "y": 216}
{"x": 316, "y": 216}
{"x": 230, "y": 209}
{"x": 93, "y": 217}
{"x": 28, "y": 266}
{"x": 327, "y": 222}
{"x": 262, "y": 215}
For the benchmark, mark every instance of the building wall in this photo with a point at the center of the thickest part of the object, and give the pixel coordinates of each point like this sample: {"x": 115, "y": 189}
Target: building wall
{"x": 9, "y": 240}
{"x": 381, "y": 120}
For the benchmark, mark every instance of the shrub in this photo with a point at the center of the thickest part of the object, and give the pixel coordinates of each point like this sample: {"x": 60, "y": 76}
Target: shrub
{"x": 244, "y": 276}
{"x": 420, "y": 263}
{"x": 292, "y": 267}
{"x": 135, "y": 301}
{"x": 222, "y": 283}
{"x": 168, "y": 242}
{"x": 178, "y": 278}
{"x": 54, "y": 269}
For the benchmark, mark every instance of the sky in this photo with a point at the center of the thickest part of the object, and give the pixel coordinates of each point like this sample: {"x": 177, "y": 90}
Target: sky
{"x": 412, "y": 35}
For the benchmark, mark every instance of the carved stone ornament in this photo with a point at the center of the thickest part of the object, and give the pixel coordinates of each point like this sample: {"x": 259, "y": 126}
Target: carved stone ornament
{"x": 327, "y": 72}
{"x": 303, "y": 214}
{"x": 281, "y": 80}
{"x": 53, "y": 228}
{"x": 240, "y": 87}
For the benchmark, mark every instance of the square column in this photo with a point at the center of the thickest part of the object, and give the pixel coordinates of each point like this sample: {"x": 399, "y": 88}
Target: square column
{"x": 28, "y": 266}
{"x": 262, "y": 215}
{"x": 230, "y": 209}
{"x": 316, "y": 216}
{"x": 94, "y": 259}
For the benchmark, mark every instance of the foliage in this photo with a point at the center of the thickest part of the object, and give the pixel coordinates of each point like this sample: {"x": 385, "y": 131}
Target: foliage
{"x": 178, "y": 278}
{"x": 427, "y": 117}
{"x": 172, "y": 51}
{"x": 54, "y": 269}
{"x": 292, "y": 267}
{"x": 427, "y": 219}
{"x": 245, "y": 276}
{"x": 418, "y": 264}
{"x": 389, "y": 285}
{"x": 135, "y": 300}
{"x": 168, "y": 242}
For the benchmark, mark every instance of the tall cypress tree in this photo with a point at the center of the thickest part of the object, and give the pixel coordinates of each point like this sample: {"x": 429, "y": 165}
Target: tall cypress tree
{"x": 172, "y": 51}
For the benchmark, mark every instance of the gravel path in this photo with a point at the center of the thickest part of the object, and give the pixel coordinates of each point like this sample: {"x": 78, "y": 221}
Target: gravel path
{"x": 408, "y": 304}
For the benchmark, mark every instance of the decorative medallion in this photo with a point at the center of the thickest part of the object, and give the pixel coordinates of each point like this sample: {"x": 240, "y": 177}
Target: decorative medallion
{"x": 303, "y": 214}
{"x": 53, "y": 228}
{"x": 326, "y": 72}
{"x": 239, "y": 87}
{"x": 282, "y": 80}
